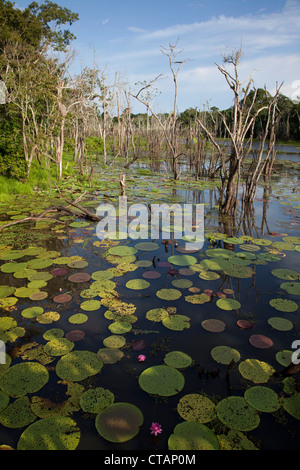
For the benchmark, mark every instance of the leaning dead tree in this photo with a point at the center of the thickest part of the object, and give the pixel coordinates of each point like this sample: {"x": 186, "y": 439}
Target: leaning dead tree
{"x": 240, "y": 130}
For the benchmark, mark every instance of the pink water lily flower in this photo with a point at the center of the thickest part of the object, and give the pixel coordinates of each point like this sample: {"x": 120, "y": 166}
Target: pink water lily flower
{"x": 156, "y": 429}
{"x": 141, "y": 358}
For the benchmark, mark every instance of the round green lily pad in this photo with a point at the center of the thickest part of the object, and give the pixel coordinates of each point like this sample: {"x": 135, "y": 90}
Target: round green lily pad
{"x": 225, "y": 354}
{"x": 122, "y": 250}
{"x": 53, "y": 333}
{"x": 58, "y": 347}
{"x": 292, "y": 405}
{"x": 220, "y": 253}
{"x": 18, "y": 414}
{"x": 161, "y": 380}
{"x": 196, "y": 407}
{"x": 284, "y": 357}
{"x": 55, "y": 433}
{"x": 281, "y": 324}
{"x": 255, "y": 370}
{"x": 291, "y": 287}
{"x": 114, "y": 341}
{"x": 284, "y": 305}
{"x": 182, "y": 283}
{"x": 286, "y": 274}
{"x": 240, "y": 272}
{"x": 228, "y": 304}
{"x": 137, "y": 284}
{"x": 144, "y": 263}
{"x": 157, "y": 314}
{"x": 192, "y": 436}
{"x": 39, "y": 263}
{"x": 32, "y": 312}
{"x": 6, "y": 291}
{"x": 168, "y": 294}
{"x": 119, "y": 422}
{"x": 182, "y": 260}
{"x": 23, "y": 378}
{"x": 78, "y": 318}
{"x": 178, "y": 359}
{"x": 177, "y": 322}
{"x": 13, "y": 267}
{"x": 235, "y": 413}
{"x": 120, "y": 327}
{"x": 96, "y": 400}
{"x": 78, "y": 365}
{"x": 90, "y": 305}
{"x": 147, "y": 246}
{"x": 209, "y": 275}
{"x": 110, "y": 355}
{"x": 197, "y": 298}
{"x": 262, "y": 399}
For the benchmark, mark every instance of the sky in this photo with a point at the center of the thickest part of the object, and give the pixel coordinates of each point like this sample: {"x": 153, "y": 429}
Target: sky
{"x": 127, "y": 37}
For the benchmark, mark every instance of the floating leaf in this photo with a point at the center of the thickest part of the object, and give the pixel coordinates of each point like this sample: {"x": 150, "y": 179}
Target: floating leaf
{"x": 96, "y": 400}
{"x": 178, "y": 359}
{"x": 55, "y": 433}
{"x": 109, "y": 355}
{"x": 196, "y": 407}
{"x": 157, "y": 314}
{"x": 182, "y": 260}
{"x": 78, "y": 318}
{"x": 292, "y": 405}
{"x": 90, "y": 305}
{"x": 225, "y": 354}
{"x": 192, "y": 436}
{"x": 235, "y": 413}
{"x": 18, "y": 414}
{"x": 291, "y": 287}
{"x": 32, "y": 312}
{"x": 58, "y": 347}
{"x": 137, "y": 284}
{"x": 213, "y": 325}
{"x": 281, "y": 324}
{"x": 114, "y": 341}
{"x": 23, "y": 378}
{"x": 262, "y": 399}
{"x": 284, "y": 305}
{"x": 286, "y": 274}
{"x": 122, "y": 250}
{"x": 168, "y": 294}
{"x": 177, "y": 322}
{"x": 147, "y": 246}
{"x": 197, "y": 298}
{"x": 120, "y": 327}
{"x": 119, "y": 422}
{"x": 255, "y": 370}
{"x": 228, "y": 304}
{"x": 260, "y": 341}
{"x": 78, "y": 365}
{"x": 161, "y": 380}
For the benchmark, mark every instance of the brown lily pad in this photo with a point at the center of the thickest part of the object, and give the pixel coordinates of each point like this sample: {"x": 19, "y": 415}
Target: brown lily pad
{"x": 62, "y": 298}
{"x": 260, "y": 341}
{"x": 79, "y": 277}
{"x": 213, "y": 325}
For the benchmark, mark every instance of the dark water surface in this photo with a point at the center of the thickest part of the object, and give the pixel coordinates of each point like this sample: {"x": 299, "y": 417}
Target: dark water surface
{"x": 276, "y": 214}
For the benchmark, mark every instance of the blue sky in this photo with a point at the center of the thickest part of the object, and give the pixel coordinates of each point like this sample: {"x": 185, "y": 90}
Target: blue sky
{"x": 126, "y": 36}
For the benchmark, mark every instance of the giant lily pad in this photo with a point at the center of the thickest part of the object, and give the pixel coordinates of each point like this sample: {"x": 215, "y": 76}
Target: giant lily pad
{"x": 157, "y": 314}
{"x": 286, "y": 274}
{"x": 177, "y": 322}
{"x": 137, "y": 284}
{"x": 119, "y": 422}
{"x": 225, "y": 354}
{"x": 284, "y": 305}
{"x": 228, "y": 304}
{"x": 55, "y": 433}
{"x": 58, "y": 347}
{"x": 292, "y": 405}
{"x": 78, "y": 365}
{"x": 262, "y": 399}
{"x": 161, "y": 380}
{"x": 23, "y": 378}
{"x": 96, "y": 400}
{"x": 122, "y": 250}
{"x": 17, "y": 414}
{"x": 182, "y": 260}
{"x": 255, "y": 370}
{"x": 178, "y": 359}
{"x": 235, "y": 413}
{"x": 168, "y": 294}
{"x": 192, "y": 436}
{"x": 196, "y": 407}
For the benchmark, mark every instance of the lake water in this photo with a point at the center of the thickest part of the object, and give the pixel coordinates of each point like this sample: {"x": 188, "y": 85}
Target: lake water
{"x": 276, "y": 216}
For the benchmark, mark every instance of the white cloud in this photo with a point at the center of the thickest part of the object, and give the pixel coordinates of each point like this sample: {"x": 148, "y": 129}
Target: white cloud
{"x": 105, "y": 21}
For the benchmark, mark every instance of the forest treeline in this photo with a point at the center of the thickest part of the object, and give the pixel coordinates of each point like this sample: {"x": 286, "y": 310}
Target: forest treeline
{"x": 48, "y": 109}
